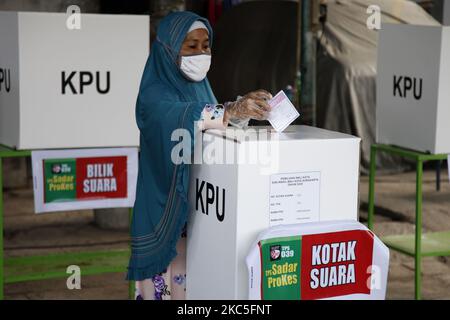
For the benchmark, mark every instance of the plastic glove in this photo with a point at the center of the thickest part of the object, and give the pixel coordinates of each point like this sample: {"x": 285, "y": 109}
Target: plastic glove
{"x": 253, "y": 105}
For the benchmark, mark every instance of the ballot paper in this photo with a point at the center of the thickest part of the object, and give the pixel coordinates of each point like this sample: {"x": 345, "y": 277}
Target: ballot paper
{"x": 283, "y": 112}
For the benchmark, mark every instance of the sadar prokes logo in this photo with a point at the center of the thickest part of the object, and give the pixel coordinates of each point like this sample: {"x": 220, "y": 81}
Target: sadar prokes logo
{"x": 275, "y": 253}
{"x": 280, "y": 269}
{"x": 58, "y": 168}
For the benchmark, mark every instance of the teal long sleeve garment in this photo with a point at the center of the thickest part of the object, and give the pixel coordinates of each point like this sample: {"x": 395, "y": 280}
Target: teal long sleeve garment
{"x": 166, "y": 101}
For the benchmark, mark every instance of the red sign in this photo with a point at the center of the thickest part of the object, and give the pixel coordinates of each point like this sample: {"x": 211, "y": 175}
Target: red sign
{"x": 101, "y": 177}
{"x": 336, "y": 264}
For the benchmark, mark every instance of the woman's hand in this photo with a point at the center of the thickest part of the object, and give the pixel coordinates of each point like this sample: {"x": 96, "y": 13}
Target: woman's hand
{"x": 253, "y": 105}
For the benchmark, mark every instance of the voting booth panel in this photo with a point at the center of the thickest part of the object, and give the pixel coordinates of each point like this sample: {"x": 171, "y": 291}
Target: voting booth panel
{"x": 319, "y": 260}
{"x": 70, "y": 88}
{"x": 309, "y": 175}
{"x": 413, "y": 100}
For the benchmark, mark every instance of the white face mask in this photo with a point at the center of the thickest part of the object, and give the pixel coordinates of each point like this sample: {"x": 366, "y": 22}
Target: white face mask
{"x": 195, "y": 67}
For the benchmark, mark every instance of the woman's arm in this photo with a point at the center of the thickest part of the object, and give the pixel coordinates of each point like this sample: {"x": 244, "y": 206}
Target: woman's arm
{"x": 253, "y": 105}
{"x": 213, "y": 117}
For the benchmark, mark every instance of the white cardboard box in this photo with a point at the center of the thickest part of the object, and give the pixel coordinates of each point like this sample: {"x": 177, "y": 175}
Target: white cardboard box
{"x": 413, "y": 96}
{"x": 232, "y": 203}
{"x": 54, "y": 89}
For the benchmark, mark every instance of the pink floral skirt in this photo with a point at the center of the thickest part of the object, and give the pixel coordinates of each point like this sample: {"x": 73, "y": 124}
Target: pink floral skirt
{"x": 169, "y": 285}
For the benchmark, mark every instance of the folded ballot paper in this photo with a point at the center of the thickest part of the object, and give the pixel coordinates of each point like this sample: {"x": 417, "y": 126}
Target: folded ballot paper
{"x": 283, "y": 112}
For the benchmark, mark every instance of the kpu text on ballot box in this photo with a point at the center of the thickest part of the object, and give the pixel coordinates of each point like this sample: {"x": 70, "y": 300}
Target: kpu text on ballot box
{"x": 256, "y": 178}
{"x": 70, "y": 88}
{"x": 413, "y": 81}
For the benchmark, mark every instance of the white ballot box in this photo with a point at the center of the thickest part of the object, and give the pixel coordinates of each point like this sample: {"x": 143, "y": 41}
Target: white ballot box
{"x": 413, "y": 81}
{"x": 253, "y": 179}
{"x": 65, "y": 84}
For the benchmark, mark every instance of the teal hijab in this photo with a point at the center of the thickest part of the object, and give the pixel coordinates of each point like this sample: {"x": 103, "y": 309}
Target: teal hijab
{"x": 167, "y": 101}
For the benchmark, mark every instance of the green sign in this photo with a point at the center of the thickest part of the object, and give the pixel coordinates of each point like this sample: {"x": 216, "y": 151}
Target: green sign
{"x": 60, "y": 180}
{"x": 281, "y": 268}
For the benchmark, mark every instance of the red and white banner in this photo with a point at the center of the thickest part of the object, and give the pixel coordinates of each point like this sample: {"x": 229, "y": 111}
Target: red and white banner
{"x": 77, "y": 179}
{"x": 321, "y": 260}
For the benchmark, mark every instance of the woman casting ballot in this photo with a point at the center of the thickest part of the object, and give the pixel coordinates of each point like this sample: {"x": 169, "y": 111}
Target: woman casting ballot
{"x": 174, "y": 93}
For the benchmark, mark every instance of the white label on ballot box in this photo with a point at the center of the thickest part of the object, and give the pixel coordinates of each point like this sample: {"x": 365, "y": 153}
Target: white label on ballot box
{"x": 294, "y": 198}
{"x": 283, "y": 112}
